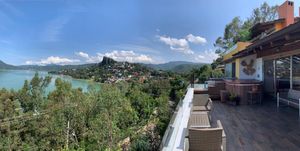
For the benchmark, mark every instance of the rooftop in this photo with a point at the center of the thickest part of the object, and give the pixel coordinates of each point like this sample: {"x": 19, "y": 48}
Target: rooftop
{"x": 249, "y": 127}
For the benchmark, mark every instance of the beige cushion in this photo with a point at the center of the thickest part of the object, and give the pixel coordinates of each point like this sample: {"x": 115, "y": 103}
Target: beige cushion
{"x": 200, "y": 99}
{"x": 200, "y": 108}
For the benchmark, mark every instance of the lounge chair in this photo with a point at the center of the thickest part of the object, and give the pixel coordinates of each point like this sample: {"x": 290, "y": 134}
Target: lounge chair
{"x": 208, "y": 139}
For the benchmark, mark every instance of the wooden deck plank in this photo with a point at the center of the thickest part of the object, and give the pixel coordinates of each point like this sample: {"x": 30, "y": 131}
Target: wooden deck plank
{"x": 259, "y": 127}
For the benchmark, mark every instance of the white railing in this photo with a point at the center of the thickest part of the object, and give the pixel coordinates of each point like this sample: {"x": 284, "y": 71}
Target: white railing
{"x": 172, "y": 138}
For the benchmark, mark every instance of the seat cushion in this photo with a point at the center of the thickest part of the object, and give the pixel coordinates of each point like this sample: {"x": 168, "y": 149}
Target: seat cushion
{"x": 200, "y": 99}
{"x": 200, "y": 108}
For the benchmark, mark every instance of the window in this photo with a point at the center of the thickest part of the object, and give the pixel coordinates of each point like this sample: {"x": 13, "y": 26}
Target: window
{"x": 269, "y": 86}
{"x": 296, "y": 72}
{"x": 228, "y": 70}
{"x": 283, "y": 73}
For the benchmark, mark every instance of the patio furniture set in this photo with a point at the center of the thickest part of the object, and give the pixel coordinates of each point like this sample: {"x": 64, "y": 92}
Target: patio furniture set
{"x": 201, "y": 136}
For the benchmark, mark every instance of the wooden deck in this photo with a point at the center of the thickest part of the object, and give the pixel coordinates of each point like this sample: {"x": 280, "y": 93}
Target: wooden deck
{"x": 259, "y": 127}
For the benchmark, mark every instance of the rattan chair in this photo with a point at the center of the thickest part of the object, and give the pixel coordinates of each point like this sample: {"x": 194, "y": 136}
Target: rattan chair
{"x": 205, "y": 107}
{"x": 200, "y": 99}
{"x": 208, "y": 139}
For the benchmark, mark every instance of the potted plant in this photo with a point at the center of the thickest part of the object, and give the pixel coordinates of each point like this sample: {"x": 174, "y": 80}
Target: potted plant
{"x": 233, "y": 99}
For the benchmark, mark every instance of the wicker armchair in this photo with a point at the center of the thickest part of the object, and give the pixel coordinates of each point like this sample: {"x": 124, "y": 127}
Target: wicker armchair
{"x": 206, "y": 107}
{"x": 208, "y": 139}
{"x": 200, "y": 99}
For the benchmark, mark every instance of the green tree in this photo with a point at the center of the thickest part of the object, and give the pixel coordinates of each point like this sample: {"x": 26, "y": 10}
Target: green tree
{"x": 32, "y": 95}
{"x": 106, "y": 125}
{"x": 264, "y": 13}
{"x": 238, "y": 30}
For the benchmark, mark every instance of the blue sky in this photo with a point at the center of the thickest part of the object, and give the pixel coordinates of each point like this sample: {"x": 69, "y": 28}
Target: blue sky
{"x": 152, "y": 31}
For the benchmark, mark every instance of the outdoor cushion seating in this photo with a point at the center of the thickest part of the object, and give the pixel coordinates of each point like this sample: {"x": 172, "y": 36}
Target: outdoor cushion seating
{"x": 206, "y": 107}
{"x": 200, "y": 99}
{"x": 199, "y": 120}
{"x": 291, "y": 98}
{"x": 206, "y": 139}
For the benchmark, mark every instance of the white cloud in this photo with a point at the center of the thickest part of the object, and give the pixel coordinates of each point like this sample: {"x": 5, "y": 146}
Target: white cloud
{"x": 53, "y": 60}
{"x": 82, "y": 54}
{"x": 118, "y": 55}
{"x": 196, "y": 39}
{"x": 180, "y": 45}
{"x": 200, "y": 57}
{"x": 88, "y": 58}
{"x": 207, "y": 57}
{"x": 95, "y": 59}
{"x": 129, "y": 56}
{"x": 136, "y": 48}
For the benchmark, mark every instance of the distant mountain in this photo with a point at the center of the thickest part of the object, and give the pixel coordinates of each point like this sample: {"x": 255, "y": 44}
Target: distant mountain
{"x": 176, "y": 66}
{"x": 52, "y": 67}
{"x": 6, "y": 66}
{"x": 107, "y": 61}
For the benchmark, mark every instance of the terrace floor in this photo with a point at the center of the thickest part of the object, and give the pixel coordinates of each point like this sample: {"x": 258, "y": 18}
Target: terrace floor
{"x": 259, "y": 127}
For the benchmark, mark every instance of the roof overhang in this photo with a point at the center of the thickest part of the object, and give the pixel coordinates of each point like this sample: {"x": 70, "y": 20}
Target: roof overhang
{"x": 276, "y": 40}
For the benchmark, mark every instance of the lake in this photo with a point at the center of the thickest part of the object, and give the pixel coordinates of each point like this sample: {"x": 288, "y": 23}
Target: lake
{"x": 14, "y": 79}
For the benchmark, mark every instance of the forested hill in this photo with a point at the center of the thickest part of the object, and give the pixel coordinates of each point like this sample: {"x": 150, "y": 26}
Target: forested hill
{"x": 6, "y": 66}
{"x": 110, "y": 71}
{"x": 51, "y": 67}
{"x": 176, "y": 66}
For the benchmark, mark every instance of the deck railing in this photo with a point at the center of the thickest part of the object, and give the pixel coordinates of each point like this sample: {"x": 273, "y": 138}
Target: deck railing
{"x": 170, "y": 129}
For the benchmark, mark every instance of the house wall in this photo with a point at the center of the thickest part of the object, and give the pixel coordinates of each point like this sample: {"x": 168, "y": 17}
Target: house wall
{"x": 242, "y": 68}
{"x": 259, "y": 69}
{"x": 235, "y": 49}
{"x": 237, "y": 69}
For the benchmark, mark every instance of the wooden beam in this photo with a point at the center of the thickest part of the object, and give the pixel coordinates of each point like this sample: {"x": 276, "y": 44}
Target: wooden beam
{"x": 281, "y": 49}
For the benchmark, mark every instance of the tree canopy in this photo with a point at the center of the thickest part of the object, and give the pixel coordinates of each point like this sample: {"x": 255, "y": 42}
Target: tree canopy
{"x": 99, "y": 119}
{"x": 239, "y": 30}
